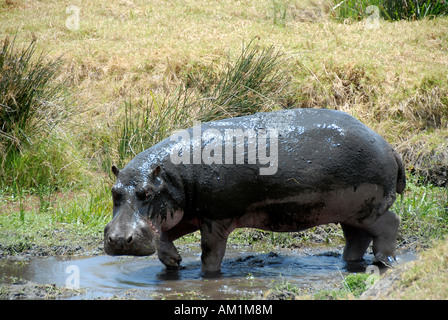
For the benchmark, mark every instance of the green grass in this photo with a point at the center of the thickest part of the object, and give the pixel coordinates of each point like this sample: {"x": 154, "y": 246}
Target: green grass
{"x": 423, "y": 211}
{"x": 391, "y": 9}
{"x": 52, "y": 163}
{"x": 353, "y": 285}
{"x": 279, "y": 12}
{"x": 52, "y": 223}
{"x": 92, "y": 210}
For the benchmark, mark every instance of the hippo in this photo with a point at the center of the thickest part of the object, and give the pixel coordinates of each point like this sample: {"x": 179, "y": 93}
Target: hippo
{"x": 282, "y": 171}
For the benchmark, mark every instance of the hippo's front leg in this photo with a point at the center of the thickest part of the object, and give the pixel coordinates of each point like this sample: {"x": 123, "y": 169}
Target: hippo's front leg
{"x": 167, "y": 253}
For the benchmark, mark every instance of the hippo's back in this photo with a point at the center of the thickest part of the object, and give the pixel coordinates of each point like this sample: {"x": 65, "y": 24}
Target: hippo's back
{"x": 318, "y": 150}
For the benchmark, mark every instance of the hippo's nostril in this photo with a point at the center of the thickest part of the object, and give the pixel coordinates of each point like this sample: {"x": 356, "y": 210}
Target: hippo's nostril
{"x": 129, "y": 240}
{"x": 111, "y": 240}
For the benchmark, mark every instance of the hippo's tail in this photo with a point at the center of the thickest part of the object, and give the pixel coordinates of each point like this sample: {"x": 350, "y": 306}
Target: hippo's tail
{"x": 401, "y": 177}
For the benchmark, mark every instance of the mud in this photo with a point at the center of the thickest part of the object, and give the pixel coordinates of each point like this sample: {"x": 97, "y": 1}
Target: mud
{"x": 280, "y": 274}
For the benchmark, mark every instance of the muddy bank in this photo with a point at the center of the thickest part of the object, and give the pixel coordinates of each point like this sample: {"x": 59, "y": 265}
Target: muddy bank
{"x": 68, "y": 244}
{"x": 382, "y": 288}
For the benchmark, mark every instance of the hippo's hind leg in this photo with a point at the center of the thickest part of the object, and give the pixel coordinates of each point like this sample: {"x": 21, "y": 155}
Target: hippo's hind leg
{"x": 213, "y": 243}
{"x": 384, "y": 231}
{"x": 356, "y": 242}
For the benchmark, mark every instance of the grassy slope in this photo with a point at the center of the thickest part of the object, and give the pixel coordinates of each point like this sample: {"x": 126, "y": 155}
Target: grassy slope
{"x": 425, "y": 278}
{"x": 124, "y": 49}
{"x": 393, "y": 78}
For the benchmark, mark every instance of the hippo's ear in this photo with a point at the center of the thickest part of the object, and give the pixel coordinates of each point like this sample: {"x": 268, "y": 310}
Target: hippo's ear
{"x": 156, "y": 172}
{"x": 156, "y": 178}
{"x": 115, "y": 170}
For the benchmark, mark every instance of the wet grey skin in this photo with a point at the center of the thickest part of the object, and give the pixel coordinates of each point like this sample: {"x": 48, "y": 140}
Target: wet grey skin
{"x": 325, "y": 166}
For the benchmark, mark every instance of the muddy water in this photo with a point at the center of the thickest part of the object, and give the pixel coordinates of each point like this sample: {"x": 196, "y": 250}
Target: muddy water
{"x": 244, "y": 274}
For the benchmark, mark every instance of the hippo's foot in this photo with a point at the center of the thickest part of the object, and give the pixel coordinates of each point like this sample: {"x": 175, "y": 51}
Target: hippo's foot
{"x": 384, "y": 232}
{"x": 386, "y": 261}
{"x": 168, "y": 255}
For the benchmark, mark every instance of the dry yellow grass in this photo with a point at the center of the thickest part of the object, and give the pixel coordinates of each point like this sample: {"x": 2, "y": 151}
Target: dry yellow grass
{"x": 393, "y": 77}
{"x": 423, "y": 279}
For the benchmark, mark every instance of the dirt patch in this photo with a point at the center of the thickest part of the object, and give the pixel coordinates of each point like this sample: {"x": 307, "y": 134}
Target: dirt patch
{"x": 24, "y": 290}
{"x": 27, "y": 251}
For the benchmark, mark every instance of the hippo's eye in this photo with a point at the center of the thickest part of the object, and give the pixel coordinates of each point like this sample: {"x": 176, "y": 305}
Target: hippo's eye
{"x": 145, "y": 194}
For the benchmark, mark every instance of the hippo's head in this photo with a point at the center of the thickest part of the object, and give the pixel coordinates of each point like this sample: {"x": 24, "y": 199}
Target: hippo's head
{"x": 135, "y": 194}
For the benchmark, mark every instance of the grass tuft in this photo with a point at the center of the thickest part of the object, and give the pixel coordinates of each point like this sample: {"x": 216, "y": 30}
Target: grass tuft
{"x": 30, "y": 101}
{"x": 32, "y": 105}
{"x": 255, "y": 82}
{"x": 145, "y": 124}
